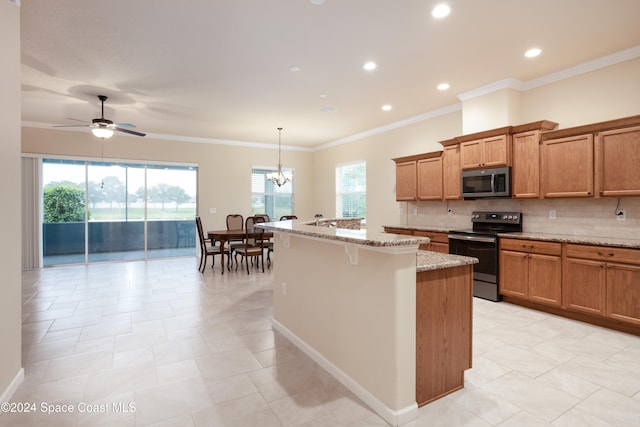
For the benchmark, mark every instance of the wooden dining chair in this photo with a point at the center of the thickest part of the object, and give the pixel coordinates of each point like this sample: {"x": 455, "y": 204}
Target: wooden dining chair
{"x": 253, "y": 242}
{"x": 235, "y": 222}
{"x": 207, "y": 247}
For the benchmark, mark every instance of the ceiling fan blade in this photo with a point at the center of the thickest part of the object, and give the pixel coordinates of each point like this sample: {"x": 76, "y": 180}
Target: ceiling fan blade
{"x": 132, "y": 132}
{"x": 70, "y": 126}
{"x": 77, "y": 120}
{"x": 125, "y": 125}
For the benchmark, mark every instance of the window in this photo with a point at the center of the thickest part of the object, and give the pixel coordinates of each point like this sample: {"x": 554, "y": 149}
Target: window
{"x": 267, "y": 197}
{"x": 351, "y": 190}
{"x": 107, "y": 211}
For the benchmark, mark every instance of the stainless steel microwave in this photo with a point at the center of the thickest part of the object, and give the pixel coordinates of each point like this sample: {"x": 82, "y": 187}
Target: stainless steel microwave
{"x": 495, "y": 182}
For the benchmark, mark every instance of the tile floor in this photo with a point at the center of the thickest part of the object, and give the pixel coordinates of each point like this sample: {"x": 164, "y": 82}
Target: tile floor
{"x": 159, "y": 344}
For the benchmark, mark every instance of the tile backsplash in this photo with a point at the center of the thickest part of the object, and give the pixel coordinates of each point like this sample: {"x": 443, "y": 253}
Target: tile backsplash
{"x": 578, "y": 217}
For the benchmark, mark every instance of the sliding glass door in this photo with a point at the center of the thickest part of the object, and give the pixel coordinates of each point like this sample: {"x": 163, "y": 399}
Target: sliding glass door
{"x": 111, "y": 211}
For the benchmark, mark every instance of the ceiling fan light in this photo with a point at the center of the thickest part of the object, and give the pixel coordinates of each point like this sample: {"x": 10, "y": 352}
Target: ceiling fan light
{"x": 102, "y": 132}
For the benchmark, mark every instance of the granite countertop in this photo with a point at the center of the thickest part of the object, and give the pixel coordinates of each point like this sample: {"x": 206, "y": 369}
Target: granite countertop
{"x": 583, "y": 240}
{"x": 359, "y": 237}
{"x": 427, "y": 260}
{"x": 549, "y": 237}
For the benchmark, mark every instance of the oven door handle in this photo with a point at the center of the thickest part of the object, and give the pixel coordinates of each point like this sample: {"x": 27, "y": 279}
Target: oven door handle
{"x": 472, "y": 238}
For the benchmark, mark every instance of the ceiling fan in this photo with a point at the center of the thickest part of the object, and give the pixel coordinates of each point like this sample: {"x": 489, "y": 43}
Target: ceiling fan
{"x": 104, "y": 128}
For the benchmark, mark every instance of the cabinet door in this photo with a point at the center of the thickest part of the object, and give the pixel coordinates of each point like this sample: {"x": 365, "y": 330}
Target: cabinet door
{"x": 545, "y": 275}
{"x": 567, "y": 167}
{"x": 451, "y": 185}
{"x": 406, "y": 186}
{"x": 526, "y": 165}
{"x": 471, "y": 154}
{"x": 623, "y": 292}
{"x": 514, "y": 274}
{"x": 430, "y": 179}
{"x": 617, "y": 160}
{"x": 495, "y": 151}
{"x": 584, "y": 286}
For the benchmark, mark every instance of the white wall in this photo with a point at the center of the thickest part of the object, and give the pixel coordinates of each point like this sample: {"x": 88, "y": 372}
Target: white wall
{"x": 10, "y": 250}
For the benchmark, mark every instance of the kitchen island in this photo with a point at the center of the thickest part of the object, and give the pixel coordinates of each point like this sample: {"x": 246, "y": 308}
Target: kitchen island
{"x": 391, "y": 323}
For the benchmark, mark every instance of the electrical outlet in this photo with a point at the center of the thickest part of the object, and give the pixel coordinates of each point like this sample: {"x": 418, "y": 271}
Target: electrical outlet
{"x": 284, "y": 288}
{"x": 552, "y": 214}
{"x": 450, "y": 211}
{"x": 212, "y": 210}
{"x": 621, "y": 215}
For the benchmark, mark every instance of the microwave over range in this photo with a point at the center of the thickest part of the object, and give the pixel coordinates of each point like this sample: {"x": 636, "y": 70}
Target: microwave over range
{"x": 494, "y": 182}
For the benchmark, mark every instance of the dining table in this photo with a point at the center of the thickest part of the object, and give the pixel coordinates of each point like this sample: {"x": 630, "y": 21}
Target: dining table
{"x": 224, "y": 236}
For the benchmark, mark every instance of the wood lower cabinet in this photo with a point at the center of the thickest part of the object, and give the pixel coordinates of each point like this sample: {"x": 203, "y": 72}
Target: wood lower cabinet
{"x": 439, "y": 241}
{"x": 531, "y": 270}
{"x": 603, "y": 281}
{"x": 443, "y": 331}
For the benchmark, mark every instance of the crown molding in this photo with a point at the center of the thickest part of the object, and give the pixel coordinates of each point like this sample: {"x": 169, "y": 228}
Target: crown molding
{"x": 381, "y": 129}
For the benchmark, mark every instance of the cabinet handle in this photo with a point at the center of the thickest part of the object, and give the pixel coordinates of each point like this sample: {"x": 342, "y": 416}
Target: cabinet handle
{"x": 605, "y": 254}
{"x": 588, "y": 193}
{"x": 528, "y": 246}
{"x": 602, "y": 265}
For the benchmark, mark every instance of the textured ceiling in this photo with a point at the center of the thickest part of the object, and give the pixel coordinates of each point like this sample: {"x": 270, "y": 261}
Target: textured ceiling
{"x": 220, "y": 69}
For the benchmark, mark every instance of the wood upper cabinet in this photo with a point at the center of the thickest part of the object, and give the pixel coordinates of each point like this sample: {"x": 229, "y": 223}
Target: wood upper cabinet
{"x": 603, "y": 281}
{"x": 567, "y": 166}
{"x": 487, "y": 152}
{"x": 419, "y": 177}
{"x": 531, "y": 270}
{"x": 430, "y": 178}
{"x": 451, "y": 185}
{"x": 406, "y": 180}
{"x": 617, "y": 163}
{"x": 525, "y": 177}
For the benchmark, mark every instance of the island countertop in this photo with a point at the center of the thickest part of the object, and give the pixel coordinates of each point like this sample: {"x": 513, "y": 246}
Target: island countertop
{"x": 427, "y": 260}
{"x": 359, "y": 237}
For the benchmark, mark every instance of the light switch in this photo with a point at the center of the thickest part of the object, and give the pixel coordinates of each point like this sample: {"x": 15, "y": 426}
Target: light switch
{"x": 212, "y": 210}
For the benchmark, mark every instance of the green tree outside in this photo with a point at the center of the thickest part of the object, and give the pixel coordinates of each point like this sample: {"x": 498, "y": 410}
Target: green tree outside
{"x": 63, "y": 203}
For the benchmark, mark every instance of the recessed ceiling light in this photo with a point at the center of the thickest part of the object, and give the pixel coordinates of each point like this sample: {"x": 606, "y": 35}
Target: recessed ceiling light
{"x": 532, "y": 53}
{"x": 323, "y": 95}
{"x": 317, "y": 2}
{"x": 294, "y": 68}
{"x": 386, "y": 107}
{"x": 443, "y": 86}
{"x": 369, "y": 66}
{"x": 328, "y": 110}
{"x": 440, "y": 11}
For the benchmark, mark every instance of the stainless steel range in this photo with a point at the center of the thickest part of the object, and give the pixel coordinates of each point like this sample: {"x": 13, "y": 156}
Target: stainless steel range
{"x": 482, "y": 242}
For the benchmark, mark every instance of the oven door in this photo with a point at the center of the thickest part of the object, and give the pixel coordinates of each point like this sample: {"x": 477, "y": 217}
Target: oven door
{"x": 485, "y": 272}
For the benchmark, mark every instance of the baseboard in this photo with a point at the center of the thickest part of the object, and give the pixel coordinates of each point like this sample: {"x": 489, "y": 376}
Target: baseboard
{"x": 394, "y": 417}
{"x": 13, "y": 386}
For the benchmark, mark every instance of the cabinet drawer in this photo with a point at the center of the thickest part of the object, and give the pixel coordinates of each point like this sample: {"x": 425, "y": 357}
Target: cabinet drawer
{"x": 531, "y": 246}
{"x": 604, "y": 253}
{"x": 434, "y": 236}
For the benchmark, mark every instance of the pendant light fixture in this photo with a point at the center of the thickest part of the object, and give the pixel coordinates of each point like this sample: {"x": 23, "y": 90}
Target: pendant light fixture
{"x": 278, "y": 177}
